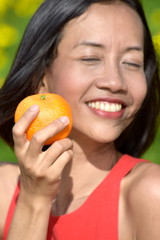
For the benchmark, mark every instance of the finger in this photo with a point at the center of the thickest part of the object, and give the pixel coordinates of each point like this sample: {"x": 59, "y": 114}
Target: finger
{"x": 55, "y": 151}
{"x": 57, "y": 167}
{"x": 42, "y": 163}
{"x": 22, "y": 125}
{"x": 40, "y": 137}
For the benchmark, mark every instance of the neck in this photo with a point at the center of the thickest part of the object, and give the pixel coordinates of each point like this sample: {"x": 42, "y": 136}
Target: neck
{"x": 89, "y": 159}
{"x": 90, "y": 165}
{"x": 87, "y": 151}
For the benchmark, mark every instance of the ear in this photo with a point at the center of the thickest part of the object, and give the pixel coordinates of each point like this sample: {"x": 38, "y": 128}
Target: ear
{"x": 43, "y": 86}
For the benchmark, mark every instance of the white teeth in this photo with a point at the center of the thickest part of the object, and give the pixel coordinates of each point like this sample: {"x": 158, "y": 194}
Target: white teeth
{"x": 105, "y": 106}
{"x": 97, "y": 105}
{"x": 102, "y": 106}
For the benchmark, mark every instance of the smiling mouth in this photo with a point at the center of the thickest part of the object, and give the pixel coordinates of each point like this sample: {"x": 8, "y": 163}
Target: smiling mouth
{"x": 106, "y": 106}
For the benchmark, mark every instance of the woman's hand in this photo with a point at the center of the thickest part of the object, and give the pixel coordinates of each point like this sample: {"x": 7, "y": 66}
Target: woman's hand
{"x": 40, "y": 170}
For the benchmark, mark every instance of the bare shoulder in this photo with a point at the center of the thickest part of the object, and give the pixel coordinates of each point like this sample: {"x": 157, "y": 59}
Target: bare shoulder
{"x": 144, "y": 199}
{"x": 146, "y": 180}
{"x": 9, "y": 175}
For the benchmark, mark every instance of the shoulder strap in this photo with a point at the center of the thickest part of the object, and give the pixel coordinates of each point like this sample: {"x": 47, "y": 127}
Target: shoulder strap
{"x": 124, "y": 166}
{"x": 11, "y": 211}
{"x": 112, "y": 192}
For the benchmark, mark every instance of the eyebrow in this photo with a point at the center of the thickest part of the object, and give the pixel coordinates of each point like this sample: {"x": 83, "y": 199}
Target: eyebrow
{"x": 102, "y": 46}
{"x": 134, "y": 48}
{"x": 90, "y": 44}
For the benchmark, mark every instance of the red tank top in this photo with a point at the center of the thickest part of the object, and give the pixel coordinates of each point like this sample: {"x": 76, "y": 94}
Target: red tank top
{"x": 97, "y": 218}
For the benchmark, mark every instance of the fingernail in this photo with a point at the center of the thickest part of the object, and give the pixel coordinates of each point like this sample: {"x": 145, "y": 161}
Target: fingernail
{"x": 34, "y": 108}
{"x": 64, "y": 119}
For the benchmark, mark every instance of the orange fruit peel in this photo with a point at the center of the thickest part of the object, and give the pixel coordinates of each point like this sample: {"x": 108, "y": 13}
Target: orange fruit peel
{"x": 52, "y": 106}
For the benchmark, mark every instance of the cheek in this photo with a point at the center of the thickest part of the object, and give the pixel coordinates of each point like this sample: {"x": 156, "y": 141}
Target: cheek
{"x": 143, "y": 89}
{"x": 67, "y": 81}
{"x": 139, "y": 92}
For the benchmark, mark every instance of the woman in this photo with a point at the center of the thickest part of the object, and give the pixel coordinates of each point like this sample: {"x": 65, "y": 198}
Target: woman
{"x": 85, "y": 186}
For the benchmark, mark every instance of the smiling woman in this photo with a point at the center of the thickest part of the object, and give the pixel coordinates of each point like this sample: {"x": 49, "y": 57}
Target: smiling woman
{"x": 101, "y": 69}
{"x": 107, "y": 71}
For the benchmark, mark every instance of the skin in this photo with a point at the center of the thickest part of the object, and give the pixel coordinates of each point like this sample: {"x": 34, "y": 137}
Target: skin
{"x": 106, "y": 63}
{"x": 101, "y": 71}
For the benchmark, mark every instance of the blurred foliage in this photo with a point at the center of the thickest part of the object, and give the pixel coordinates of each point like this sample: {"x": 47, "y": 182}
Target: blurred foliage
{"x": 14, "y": 16}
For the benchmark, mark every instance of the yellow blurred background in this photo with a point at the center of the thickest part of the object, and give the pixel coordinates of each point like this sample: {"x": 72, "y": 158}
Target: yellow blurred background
{"x": 14, "y": 16}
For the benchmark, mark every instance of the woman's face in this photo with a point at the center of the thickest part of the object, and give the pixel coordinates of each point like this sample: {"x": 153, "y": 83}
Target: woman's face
{"x": 99, "y": 70}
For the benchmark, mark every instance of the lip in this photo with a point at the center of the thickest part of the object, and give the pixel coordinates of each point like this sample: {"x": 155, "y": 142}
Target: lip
{"x": 105, "y": 114}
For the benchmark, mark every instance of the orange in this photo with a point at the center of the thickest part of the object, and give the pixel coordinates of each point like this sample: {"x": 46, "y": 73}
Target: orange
{"x": 52, "y": 106}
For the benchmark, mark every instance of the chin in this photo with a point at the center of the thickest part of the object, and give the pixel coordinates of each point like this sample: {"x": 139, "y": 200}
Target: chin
{"x": 97, "y": 135}
{"x": 101, "y": 138}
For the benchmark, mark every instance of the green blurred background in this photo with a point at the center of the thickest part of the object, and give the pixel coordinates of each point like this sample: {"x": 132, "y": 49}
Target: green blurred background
{"x": 14, "y": 16}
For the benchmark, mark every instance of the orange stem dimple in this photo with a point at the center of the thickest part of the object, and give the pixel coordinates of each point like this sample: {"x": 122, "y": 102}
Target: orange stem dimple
{"x": 43, "y": 97}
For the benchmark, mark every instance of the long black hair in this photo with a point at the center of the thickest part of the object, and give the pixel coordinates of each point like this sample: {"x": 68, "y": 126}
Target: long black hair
{"x": 38, "y": 49}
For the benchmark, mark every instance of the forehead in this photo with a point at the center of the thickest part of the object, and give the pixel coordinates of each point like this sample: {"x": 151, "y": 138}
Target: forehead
{"x": 105, "y": 20}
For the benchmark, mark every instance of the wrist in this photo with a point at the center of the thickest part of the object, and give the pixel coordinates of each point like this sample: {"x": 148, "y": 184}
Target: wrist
{"x": 33, "y": 203}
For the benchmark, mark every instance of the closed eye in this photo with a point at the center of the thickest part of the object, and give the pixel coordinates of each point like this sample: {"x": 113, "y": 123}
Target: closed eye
{"x": 90, "y": 60}
{"x": 133, "y": 65}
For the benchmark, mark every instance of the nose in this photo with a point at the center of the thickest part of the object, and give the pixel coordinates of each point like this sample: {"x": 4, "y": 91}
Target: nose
{"x": 112, "y": 78}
